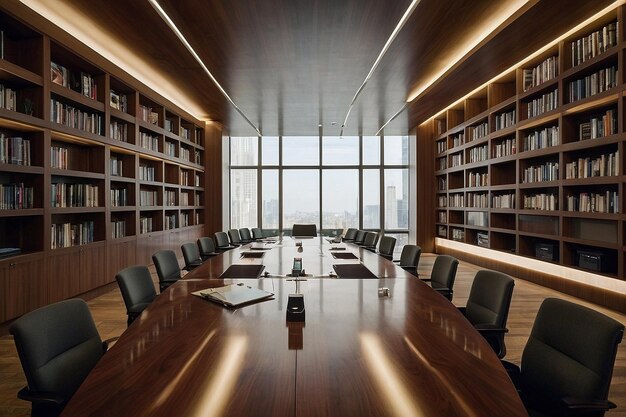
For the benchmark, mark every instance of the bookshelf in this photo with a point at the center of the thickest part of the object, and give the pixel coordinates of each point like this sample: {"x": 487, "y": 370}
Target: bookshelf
{"x": 96, "y": 172}
{"x": 530, "y": 164}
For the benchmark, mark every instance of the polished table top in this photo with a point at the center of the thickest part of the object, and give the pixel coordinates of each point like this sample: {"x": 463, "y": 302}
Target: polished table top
{"x": 358, "y": 353}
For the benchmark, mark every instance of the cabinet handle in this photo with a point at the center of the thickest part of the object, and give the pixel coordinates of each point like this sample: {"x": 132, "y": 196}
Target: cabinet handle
{"x": 12, "y": 265}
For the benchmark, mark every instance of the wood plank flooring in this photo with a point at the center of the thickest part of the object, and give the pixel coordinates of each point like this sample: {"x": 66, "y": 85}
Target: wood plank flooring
{"x": 109, "y": 313}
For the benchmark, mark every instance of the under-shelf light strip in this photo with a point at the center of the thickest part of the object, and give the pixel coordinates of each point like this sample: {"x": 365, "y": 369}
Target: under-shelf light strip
{"x": 382, "y": 53}
{"x": 184, "y": 41}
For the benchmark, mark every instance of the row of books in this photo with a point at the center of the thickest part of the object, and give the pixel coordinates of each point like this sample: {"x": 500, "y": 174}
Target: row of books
{"x": 442, "y": 184}
{"x": 73, "y": 117}
{"x": 545, "y": 103}
{"x": 170, "y": 148}
{"x": 116, "y": 166}
{"x": 458, "y": 139}
{"x": 543, "y": 201}
{"x": 477, "y": 200}
{"x": 145, "y": 225}
{"x": 595, "y": 83}
{"x": 185, "y": 178}
{"x": 547, "y": 70}
{"x": 442, "y": 201}
{"x": 170, "y": 198}
{"x": 170, "y": 221}
{"x": 14, "y": 150}
{"x": 442, "y": 146}
{"x": 458, "y": 234}
{"x": 601, "y": 166}
{"x": 594, "y": 44}
{"x": 148, "y": 141}
{"x": 197, "y": 157}
{"x": 456, "y": 159}
{"x": 477, "y": 132}
{"x": 441, "y": 126}
{"x": 599, "y": 126}
{"x": 478, "y": 153}
{"x": 504, "y": 148}
{"x": 147, "y": 173}
{"x": 148, "y": 115}
{"x": 74, "y": 195}
{"x": 81, "y": 82}
{"x": 184, "y": 219}
{"x": 8, "y": 98}
{"x": 184, "y": 199}
{"x": 477, "y": 179}
{"x": 169, "y": 125}
{"x": 118, "y": 101}
{"x": 540, "y": 139}
{"x": 59, "y": 157}
{"x": 456, "y": 200}
{"x": 503, "y": 201}
{"x": 118, "y": 229}
{"x": 441, "y": 163}
{"x": 16, "y": 196}
{"x": 119, "y": 197}
{"x": 545, "y": 172}
{"x": 148, "y": 198}
{"x": 504, "y": 120}
{"x": 185, "y": 133}
{"x": 185, "y": 154}
{"x": 607, "y": 202}
{"x": 65, "y": 235}
{"x": 442, "y": 217}
{"x": 118, "y": 131}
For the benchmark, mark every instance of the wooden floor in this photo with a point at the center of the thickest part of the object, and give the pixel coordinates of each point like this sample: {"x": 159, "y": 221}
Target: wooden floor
{"x": 109, "y": 314}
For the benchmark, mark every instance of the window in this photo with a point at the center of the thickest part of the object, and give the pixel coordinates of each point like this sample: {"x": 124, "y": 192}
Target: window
{"x": 332, "y": 182}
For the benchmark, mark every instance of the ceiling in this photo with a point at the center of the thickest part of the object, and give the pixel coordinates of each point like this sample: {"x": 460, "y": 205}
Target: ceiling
{"x": 293, "y": 65}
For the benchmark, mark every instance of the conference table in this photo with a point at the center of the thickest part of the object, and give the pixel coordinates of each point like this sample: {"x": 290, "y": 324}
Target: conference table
{"x": 389, "y": 346}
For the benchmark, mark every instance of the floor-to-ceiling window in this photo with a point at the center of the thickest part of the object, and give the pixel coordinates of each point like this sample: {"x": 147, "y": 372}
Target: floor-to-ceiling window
{"x": 332, "y": 182}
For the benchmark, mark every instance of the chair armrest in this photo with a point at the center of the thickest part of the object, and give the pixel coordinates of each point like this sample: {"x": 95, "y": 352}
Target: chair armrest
{"x": 40, "y": 397}
{"x": 585, "y": 405}
{"x": 426, "y": 279}
{"x": 396, "y": 261}
{"x": 463, "y": 310}
{"x": 513, "y": 371}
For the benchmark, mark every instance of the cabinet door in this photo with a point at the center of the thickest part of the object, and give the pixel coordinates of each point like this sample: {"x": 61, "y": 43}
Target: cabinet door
{"x": 22, "y": 286}
{"x": 93, "y": 272}
{"x": 63, "y": 274}
{"x": 119, "y": 256}
{"x": 148, "y": 244}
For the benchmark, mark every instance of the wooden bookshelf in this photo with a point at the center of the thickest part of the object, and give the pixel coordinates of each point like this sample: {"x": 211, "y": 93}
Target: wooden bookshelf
{"x": 89, "y": 178}
{"x": 531, "y": 164}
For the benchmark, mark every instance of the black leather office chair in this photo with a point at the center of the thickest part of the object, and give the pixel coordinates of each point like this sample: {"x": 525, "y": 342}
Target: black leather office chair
{"x": 410, "y": 258}
{"x": 350, "y": 235}
{"x": 137, "y": 290}
{"x": 246, "y": 236}
{"x": 386, "y": 247}
{"x": 167, "y": 268}
{"x": 206, "y": 246}
{"x": 221, "y": 241}
{"x": 370, "y": 241}
{"x": 191, "y": 255}
{"x": 235, "y": 239}
{"x": 360, "y": 237}
{"x": 443, "y": 275}
{"x": 568, "y": 361}
{"x": 58, "y": 346}
{"x": 257, "y": 233}
{"x": 304, "y": 230}
{"x": 488, "y": 307}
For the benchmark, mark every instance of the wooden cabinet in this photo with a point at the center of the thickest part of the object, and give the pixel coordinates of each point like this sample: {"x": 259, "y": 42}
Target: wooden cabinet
{"x": 76, "y": 270}
{"x": 22, "y": 285}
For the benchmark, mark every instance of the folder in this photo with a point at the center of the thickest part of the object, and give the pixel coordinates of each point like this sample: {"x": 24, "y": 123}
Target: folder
{"x": 233, "y": 295}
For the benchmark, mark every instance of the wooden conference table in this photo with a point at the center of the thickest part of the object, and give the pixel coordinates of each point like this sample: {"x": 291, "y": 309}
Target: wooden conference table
{"x": 357, "y": 354}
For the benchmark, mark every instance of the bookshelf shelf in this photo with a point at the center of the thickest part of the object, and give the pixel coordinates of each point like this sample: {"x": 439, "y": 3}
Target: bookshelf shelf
{"x": 552, "y": 155}
{"x": 107, "y": 228}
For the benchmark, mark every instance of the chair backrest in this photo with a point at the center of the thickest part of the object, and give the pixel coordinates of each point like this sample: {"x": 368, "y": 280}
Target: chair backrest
{"x": 136, "y": 285}
{"x": 221, "y": 240}
{"x": 370, "y": 239}
{"x": 360, "y": 237}
{"x": 350, "y": 234}
{"x": 304, "y": 230}
{"x": 191, "y": 254}
{"x": 58, "y": 346}
{"x": 570, "y": 352}
{"x": 245, "y": 235}
{"x": 235, "y": 239}
{"x": 444, "y": 271}
{"x": 410, "y": 256}
{"x": 387, "y": 245}
{"x": 166, "y": 265}
{"x": 257, "y": 233}
{"x": 206, "y": 246}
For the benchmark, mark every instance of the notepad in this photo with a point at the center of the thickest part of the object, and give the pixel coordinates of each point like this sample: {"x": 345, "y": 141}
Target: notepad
{"x": 233, "y": 295}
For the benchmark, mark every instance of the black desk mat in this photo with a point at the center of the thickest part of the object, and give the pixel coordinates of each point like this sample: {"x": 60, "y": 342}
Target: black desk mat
{"x": 252, "y": 254}
{"x": 353, "y": 271}
{"x": 243, "y": 271}
{"x": 344, "y": 255}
